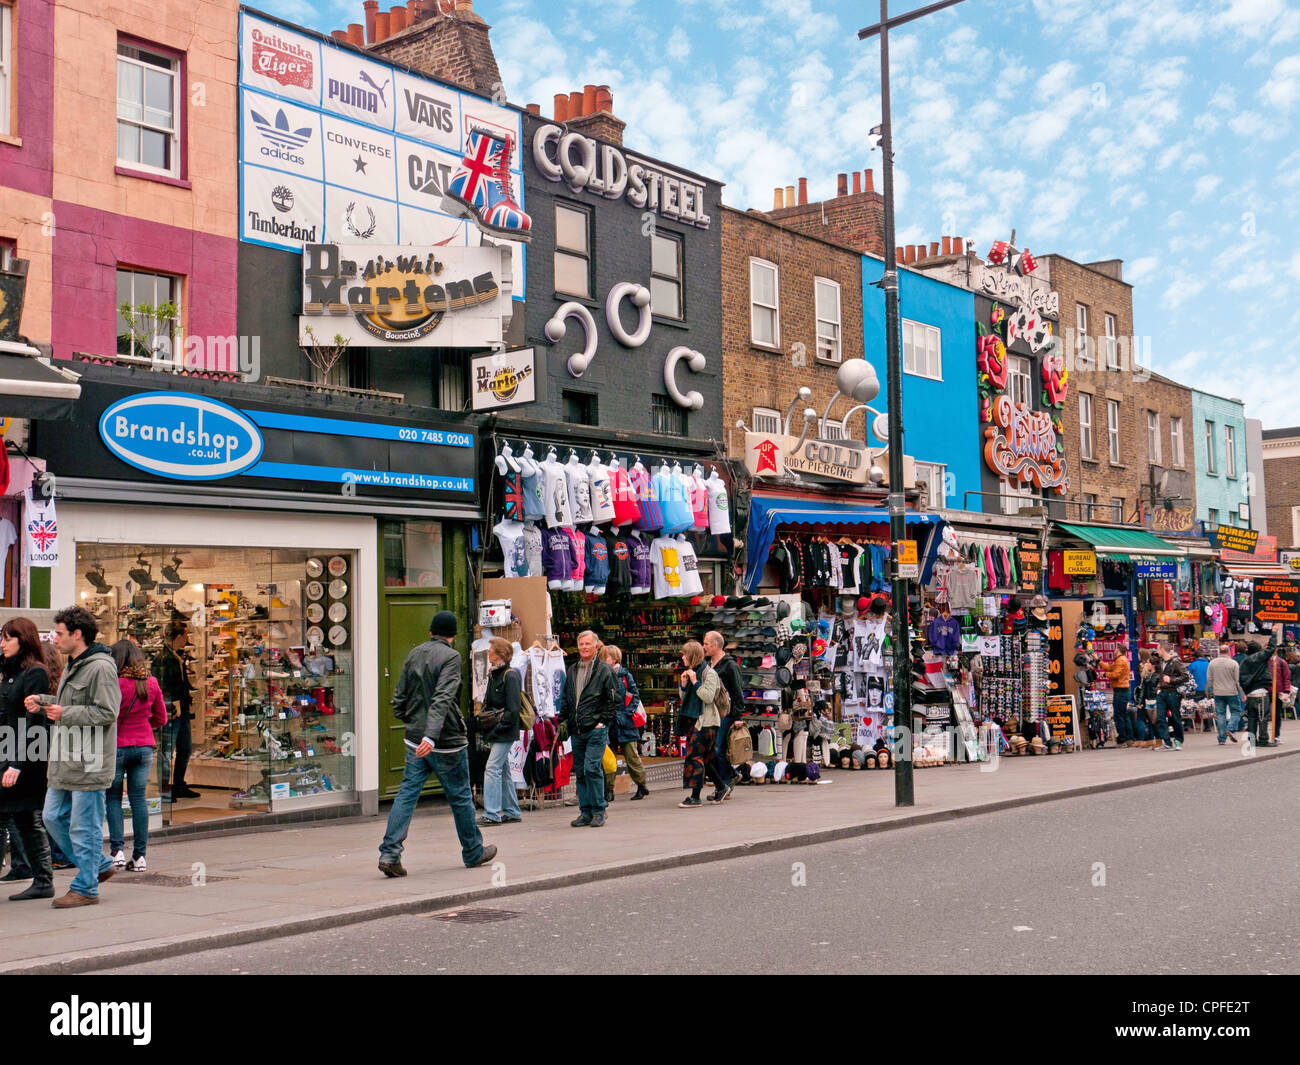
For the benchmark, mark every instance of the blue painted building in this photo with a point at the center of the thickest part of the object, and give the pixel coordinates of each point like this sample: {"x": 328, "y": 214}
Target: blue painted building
{"x": 940, "y": 388}
{"x": 1222, "y": 473}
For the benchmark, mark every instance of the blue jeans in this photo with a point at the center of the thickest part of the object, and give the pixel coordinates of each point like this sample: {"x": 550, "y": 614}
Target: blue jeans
{"x": 132, "y": 765}
{"x": 453, "y": 775}
{"x": 1226, "y": 723}
{"x": 588, "y": 753}
{"x": 1124, "y": 727}
{"x": 499, "y": 796}
{"x": 75, "y": 820}
{"x": 1238, "y": 712}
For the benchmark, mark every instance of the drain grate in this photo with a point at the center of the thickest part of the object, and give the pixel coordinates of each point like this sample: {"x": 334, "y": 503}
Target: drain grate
{"x": 165, "y": 879}
{"x": 477, "y": 916}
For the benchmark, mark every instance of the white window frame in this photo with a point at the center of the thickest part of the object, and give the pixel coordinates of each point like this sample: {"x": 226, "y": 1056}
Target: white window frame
{"x": 178, "y": 294}
{"x": 829, "y": 331}
{"x": 765, "y": 420}
{"x": 908, "y": 336}
{"x": 931, "y": 473}
{"x": 1015, "y": 498}
{"x": 1211, "y": 466}
{"x": 1154, "y": 453}
{"x": 1179, "y": 456}
{"x": 1213, "y": 517}
{"x": 1230, "y": 451}
{"x": 1112, "y": 343}
{"x": 571, "y": 252}
{"x": 1112, "y": 430}
{"x": 8, "y": 54}
{"x": 1115, "y": 510}
{"x": 830, "y": 429}
{"x": 677, "y": 279}
{"x": 1086, "y": 417}
{"x": 775, "y": 307}
{"x": 1020, "y": 380}
{"x": 177, "y": 102}
{"x": 1295, "y": 525}
{"x": 1080, "y": 329}
{"x": 1089, "y": 502}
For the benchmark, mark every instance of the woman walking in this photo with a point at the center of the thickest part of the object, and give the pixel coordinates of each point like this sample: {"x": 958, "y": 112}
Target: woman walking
{"x": 142, "y": 711}
{"x": 625, "y": 737}
{"x": 22, "y": 784}
{"x": 499, "y": 721}
{"x": 699, "y": 689}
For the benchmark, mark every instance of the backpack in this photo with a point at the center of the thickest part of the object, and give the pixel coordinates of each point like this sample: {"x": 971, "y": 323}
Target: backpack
{"x": 527, "y": 711}
{"x": 722, "y": 701}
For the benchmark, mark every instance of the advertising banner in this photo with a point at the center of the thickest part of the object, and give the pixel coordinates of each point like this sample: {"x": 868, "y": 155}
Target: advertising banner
{"x": 1277, "y": 599}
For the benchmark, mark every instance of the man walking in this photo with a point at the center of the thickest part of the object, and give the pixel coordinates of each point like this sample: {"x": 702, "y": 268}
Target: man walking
{"x": 1255, "y": 682}
{"x": 1169, "y": 703}
{"x": 173, "y": 679}
{"x": 1120, "y": 676}
{"x": 590, "y": 702}
{"x": 82, "y": 752}
{"x": 729, "y": 676}
{"x": 1223, "y": 683}
{"x": 427, "y": 701}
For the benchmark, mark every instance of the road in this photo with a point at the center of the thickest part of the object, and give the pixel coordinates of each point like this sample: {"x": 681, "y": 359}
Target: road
{"x": 1189, "y": 876}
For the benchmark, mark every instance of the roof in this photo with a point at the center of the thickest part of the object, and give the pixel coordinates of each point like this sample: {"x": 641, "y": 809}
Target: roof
{"x": 1281, "y": 434}
{"x": 758, "y": 216}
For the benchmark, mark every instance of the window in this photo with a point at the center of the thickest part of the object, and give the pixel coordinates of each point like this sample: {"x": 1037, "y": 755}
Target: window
{"x": 921, "y": 353}
{"x": 666, "y": 275}
{"x": 1016, "y": 498}
{"x": 351, "y": 370}
{"x": 934, "y": 475}
{"x": 830, "y": 429}
{"x": 148, "y": 314}
{"x": 413, "y": 554}
{"x": 764, "y": 315}
{"x": 1112, "y": 429}
{"x": 828, "y": 319}
{"x": 148, "y": 110}
{"x": 1214, "y": 517}
{"x": 572, "y": 250}
{"x": 8, "y": 252}
{"x": 1089, "y": 505}
{"x": 667, "y": 417}
{"x": 1019, "y": 371}
{"x": 1153, "y": 438}
{"x": 7, "y": 54}
{"x": 1080, "y": 329}
{"x": 580, "y": 408}
{"x": 1112, "y": 343}
{"x": 766, "y": 420}
{"x": 1230, "y": 450}
{"x": 1176, "y": 441}
{"x": 1085, "y": 425}
{"x": 451, "y": 370}
{"x": 1211, "y": 466}
{"x": 1116, "y": 510}
{"x": 1295, "y": 525}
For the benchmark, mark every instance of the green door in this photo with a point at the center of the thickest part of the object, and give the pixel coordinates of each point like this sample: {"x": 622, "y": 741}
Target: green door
{"x": 407, "y": 619}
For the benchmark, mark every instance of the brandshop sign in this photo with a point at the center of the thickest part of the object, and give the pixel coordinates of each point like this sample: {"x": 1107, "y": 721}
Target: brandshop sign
{"x": 181, "y": 436}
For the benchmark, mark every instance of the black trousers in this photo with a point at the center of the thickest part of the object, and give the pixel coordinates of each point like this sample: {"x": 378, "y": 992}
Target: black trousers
{"x": 34, "y": 843}
{"x": 1259, "y": 717}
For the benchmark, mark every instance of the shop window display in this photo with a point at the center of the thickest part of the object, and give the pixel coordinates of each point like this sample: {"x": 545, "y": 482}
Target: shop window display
{"x": 269, "y": 659}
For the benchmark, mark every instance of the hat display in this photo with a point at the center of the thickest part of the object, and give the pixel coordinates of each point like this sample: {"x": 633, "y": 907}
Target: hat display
{"x": 812, "y": 771}
{"x": 757, "y": 771}
{"x": 864, "y": 604}
{"x": 778, "y": 772}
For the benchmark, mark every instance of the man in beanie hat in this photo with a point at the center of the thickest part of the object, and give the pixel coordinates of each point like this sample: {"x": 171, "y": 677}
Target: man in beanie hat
{"x": 427, "y": 701}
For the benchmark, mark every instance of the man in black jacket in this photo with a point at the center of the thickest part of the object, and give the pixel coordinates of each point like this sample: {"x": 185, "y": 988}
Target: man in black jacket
{"x": 590, "y": 703}
{"x": 729, "y": 674}
{"x": 1257, "y": 683}
{"x": 427, "y": 701}
{"x": 174, "y": 679}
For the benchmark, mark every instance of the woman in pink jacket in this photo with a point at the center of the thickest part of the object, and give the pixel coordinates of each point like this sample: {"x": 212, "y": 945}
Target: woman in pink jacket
{"x": 142, "y": 711}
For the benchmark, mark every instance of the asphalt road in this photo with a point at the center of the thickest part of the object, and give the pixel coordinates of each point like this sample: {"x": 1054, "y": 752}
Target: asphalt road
{"x": 1192, "y": 876}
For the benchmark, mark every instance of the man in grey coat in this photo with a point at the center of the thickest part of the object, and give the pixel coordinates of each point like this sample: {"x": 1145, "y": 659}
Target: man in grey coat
{"x": 82, "y": 752}
{"x": 1223, "y": 683}
{"x": 427, "y": 701}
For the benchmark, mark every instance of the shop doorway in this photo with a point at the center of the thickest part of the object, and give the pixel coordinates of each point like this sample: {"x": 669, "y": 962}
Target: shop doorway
{"x": 406, "y": 624}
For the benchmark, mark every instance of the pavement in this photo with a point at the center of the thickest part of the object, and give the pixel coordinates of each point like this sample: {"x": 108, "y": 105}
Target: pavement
{"x": 238, "y": 889}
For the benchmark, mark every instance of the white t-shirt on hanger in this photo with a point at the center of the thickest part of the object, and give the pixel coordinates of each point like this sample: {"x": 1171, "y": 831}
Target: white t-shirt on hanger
{"x": 559, "y": 510}
{"x": 719, "y": 506}
{"x": 691, "y": 583}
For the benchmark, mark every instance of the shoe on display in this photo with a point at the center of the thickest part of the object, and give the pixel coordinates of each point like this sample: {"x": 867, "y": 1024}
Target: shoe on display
{"x": 482, "y": 186}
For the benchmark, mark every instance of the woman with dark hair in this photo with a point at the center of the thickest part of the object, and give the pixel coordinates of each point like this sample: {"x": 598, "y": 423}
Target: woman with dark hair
{"x": 142, "y": 711}
{"x": 22, "y": 784}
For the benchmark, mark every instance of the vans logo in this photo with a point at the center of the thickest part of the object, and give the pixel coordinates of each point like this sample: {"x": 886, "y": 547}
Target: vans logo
{"x": 428, "y": 110}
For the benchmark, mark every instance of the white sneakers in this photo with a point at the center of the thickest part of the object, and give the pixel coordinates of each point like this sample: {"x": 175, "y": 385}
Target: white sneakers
{"x": 119, "y": 860}
{"x": 137, "y": 865}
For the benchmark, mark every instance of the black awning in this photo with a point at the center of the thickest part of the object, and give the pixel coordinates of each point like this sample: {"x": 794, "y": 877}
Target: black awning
{"x": 31, "y": 389}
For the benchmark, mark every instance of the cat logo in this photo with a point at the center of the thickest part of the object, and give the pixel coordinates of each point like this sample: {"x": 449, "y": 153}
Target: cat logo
{"x": 427, "y": 175}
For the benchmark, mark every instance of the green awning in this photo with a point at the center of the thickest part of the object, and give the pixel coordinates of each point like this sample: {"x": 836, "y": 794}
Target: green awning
{"x": 1120, "y": 544}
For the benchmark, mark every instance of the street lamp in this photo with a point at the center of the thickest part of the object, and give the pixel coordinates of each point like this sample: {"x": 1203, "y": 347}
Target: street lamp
{"x": 903, "y": 783}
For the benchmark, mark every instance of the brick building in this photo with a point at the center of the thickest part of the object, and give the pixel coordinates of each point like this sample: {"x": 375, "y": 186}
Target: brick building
{"x": 1281, "y": 449}
{"x": 854, "y": 218}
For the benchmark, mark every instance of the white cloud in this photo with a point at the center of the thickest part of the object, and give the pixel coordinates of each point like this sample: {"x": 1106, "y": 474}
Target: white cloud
{"x": 1205, "y": 187}
{"x": 1180, "y": 291}
{"x": 1140, "y": 270}
{"x": 679, "y": 44}
{"x": 1282, "y": 89}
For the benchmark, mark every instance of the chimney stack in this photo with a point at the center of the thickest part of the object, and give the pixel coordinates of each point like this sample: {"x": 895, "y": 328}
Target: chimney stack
{"x": 857, "y": 183}
{"x": 947, "y": 245}
{"x": 803, "y": 191}
{"x": 589, "y": 99}
{"x": 778, "y": 198}
{"x": 900, "y": 254}
{"x": 371, "y": 9}
{"x": 591, "y": 112}
{"x": 533, "y": 109}
{"x": 356, "y": 34}
{"x": 957, "y": 245}
{"x": 604, "y": 99}
{"x": 868, "y": 182}
{"x": 789, "y": 196}
{"x": 842, "y": 185}
{"x": 381, "y": 27}
{"x": 575, "y": 105}
{"x": 909, "y": 254}
{"x": 396, "y": 19}
{"x": 464, "y": 5}
{"x": 340, "y": 35}
{"x": 412, "y": 11}
{"x": 561, "y": 107}
{"x": 934, "y": 248}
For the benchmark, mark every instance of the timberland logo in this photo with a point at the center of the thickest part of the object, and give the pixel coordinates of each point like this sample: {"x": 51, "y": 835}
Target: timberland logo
{"x": 282, "y": 60}
{"x": 133, "y": 1020}
{"x": 273, "y": 227}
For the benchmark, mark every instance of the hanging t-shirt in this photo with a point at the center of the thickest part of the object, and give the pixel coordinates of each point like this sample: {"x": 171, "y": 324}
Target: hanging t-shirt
{"x": 532, "y": 537}
{"x": 555, "y": 663}
{"x": 579, "y": 491}
{"x": 602, "y": 493}
{"x": 642, "y": 565}
{"x": 678, "y": 515}
{"x": 620, "y": 567}
{"x": 540, "y": 677}
{"x": 533, "y": 490}
{"x": 666, "y": 559}
{"x": 699, "y": 503}
{"x": 479, "y": 668}
{"x": 579, "y": 559}
{"x": 557, "y": 558}
{"x": 836, "y": 572}
{"x": 652, "y": 514}
{"x": 559, "y": 510}
{"x": 671, "y": 503}
{"x": 945, "y": 635}
{"x": 691, "y": 583}
{"x": 512, "y": 485}
{"x": 626, "y": 510}
{"x": 40, "y": 531}
{"x": 850, "y": 556}
{"x": 519, "y": 662}
{"x": 597, "y": 570}
{"x": 719, "y": 507}
{"x": 510, "y": 534}
{"x": 8, "y": 537}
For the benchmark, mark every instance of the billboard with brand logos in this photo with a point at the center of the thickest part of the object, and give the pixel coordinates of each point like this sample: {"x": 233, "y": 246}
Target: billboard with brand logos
{"x": 336, "y": 147}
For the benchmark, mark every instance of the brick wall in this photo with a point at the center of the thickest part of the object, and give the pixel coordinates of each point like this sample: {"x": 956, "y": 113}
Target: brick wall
{"x": 454, "y": 48}
{"x": 756, "y": 376}
{"x": 852, "y": 219}
{"x": 1281, "y": 449}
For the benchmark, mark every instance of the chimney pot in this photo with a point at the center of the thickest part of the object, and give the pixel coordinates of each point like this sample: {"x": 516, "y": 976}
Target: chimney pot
{"x": 412, "y": 11}
{"x": 778, "y": 198}
{"x": 464, "y": 5}
{"x": 868, "y": 183}
{"x": 534, "y": 109}
{"x": 575, "y": 105}
{"x": 957, "y": 245}
{"x": 396, "y": 19}
{"x": 604, "y": 99}
{"x": 842, "y": 185}
{"x": 900, "y": 254}
{"x": 340, "y": 35}
{"x": 934, "y": 248}
{"x": 789, "y": 196}
{"x": 589, "y": 99}
{"x": 561, "y": 107}
{"x": 382, "y": 31}
{"x": 356, "y": 34}
{"x": 909, "y": 254}
{"x": 857, "y": 183}
{"x": 803, "y": 190}
{"x": 947, "y": 245}
{"x": 371, "y": 10}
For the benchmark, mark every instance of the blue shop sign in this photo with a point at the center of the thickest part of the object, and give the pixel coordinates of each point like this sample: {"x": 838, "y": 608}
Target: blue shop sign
{"x": 1163, "y": 570}
{"x": 181, "y": 436}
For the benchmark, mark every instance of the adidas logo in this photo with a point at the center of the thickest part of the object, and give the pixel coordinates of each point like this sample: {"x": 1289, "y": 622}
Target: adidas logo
{"x": 281, "y": 142}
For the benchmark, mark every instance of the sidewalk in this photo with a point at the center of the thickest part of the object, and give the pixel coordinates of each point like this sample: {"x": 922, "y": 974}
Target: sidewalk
{"x": 291, "y": 880}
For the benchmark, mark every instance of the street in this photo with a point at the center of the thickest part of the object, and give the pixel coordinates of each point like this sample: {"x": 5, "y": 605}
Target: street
{"x": 1191, "y": 875}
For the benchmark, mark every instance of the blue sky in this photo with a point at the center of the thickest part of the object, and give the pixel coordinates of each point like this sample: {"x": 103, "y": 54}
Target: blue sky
{"x": 1162, "y": 132}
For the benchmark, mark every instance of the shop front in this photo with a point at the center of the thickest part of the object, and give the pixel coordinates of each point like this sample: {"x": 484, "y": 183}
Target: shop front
{"x": 249, "y": 532}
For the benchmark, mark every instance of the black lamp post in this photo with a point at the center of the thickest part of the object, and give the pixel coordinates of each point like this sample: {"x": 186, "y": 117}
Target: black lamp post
{"x": 903, "y": 782}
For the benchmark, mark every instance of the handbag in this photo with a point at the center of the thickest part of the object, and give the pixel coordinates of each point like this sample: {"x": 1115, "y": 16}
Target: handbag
{"x": 639, "y": 715}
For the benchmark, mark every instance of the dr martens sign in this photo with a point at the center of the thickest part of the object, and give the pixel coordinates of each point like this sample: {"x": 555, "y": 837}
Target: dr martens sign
{"x": 381, "y": 296}
{"x": 585, "y": 164}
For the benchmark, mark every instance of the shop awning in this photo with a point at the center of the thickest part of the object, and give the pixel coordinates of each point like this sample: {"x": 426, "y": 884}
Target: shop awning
{"x": 1121, "y": 544}
{"x": 768, "y": 513}
{"x": 1251, "y": 570}
{"x": 31, "y": 388}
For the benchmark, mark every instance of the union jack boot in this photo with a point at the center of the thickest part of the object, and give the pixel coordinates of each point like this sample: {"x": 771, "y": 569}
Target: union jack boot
{"x": 481, "y": 188}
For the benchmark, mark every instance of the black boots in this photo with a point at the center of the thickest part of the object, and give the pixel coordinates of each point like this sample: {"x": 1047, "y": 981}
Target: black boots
{"x": 641, "y": 792}
{"x": 40, "y": 889}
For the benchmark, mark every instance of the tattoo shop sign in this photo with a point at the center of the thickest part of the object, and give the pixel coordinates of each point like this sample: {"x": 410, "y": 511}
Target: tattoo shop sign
{"x": 770, "y": 456}
{"x": 1020, "y": 445}
{"x": 404, "y": 296}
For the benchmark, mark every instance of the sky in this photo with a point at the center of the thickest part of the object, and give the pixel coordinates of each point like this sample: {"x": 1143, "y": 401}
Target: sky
{"x": 1162, "y": 132}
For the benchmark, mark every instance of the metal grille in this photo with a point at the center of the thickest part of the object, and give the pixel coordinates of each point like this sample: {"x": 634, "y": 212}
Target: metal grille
{"x": 165, "y": 879}
{"x": 476, "y": 916}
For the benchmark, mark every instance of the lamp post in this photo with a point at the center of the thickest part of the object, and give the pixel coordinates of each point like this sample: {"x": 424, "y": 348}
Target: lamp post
{"x": 903, "y": 782}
